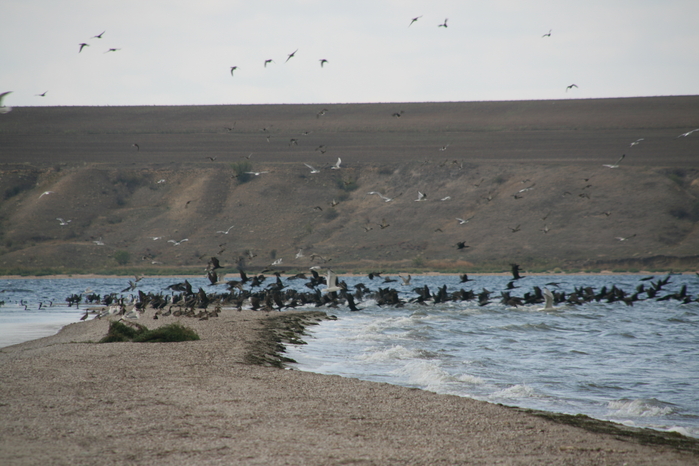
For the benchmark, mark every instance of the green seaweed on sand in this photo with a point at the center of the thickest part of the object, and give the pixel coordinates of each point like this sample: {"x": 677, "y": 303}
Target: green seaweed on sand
{"x": 120, "y": 332}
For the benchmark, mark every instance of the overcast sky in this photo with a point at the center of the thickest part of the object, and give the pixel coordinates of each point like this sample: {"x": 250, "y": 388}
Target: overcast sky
{"x": 181, "y": 52}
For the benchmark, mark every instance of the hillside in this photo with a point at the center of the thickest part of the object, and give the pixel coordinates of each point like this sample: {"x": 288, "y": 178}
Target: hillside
{"x": 528, "y": 176}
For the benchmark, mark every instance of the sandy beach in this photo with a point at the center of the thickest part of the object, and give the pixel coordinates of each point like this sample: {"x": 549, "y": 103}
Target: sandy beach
{"x": 225, "y": 399}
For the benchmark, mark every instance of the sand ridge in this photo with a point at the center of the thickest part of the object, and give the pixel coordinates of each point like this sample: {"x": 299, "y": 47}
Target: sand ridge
{"x": 67, "y": 400}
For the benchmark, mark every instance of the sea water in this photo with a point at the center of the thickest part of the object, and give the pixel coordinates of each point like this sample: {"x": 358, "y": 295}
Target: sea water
{"x": 637, "y": 365}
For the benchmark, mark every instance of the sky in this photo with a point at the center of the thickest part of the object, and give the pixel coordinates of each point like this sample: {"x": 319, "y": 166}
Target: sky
{"x": 181, "y": 52}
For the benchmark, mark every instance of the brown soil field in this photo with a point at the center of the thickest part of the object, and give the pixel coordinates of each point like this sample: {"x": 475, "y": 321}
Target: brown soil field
{"x": 535, "y": 167}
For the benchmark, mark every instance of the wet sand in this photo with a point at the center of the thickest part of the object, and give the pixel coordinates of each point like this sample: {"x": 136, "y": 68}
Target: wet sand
{"x": 226, "y": 400}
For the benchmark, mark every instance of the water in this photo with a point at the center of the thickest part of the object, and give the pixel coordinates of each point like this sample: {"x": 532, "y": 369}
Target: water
{"x": 635, "y": 365}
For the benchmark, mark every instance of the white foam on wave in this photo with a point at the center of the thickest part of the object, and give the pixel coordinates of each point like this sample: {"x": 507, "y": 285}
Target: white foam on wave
{"x": 470, "y": 379}
{"x": 426, "y": 374}
{"x": 516, "y": 392}
{"x": 393, "y": 353}
{"x": 640, "y": 408}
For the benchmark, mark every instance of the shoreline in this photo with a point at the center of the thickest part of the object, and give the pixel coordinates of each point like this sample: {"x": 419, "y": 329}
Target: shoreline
{"x": 430, "y": 274}
{"x": 224, "y": 398}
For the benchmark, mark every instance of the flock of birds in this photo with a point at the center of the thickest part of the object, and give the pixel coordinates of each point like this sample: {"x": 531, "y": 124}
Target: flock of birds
{"x": 250, "y": 292}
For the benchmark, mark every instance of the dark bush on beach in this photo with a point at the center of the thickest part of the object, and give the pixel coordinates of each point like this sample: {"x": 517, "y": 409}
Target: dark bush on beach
{"x": 119, "y": 332}
{"x": 167, "y": 333}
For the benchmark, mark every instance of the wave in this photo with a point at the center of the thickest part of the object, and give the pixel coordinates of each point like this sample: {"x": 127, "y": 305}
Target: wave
{"x": 644, "y": 407}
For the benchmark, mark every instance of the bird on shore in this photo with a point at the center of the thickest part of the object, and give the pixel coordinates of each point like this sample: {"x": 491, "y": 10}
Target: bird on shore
{"x": 616, "y": 164}
{"x": 421, "y": 197}
{"x": 414, "y": 20}
{"x": 46, "y": 193}
{"x": 683, "y": 135}
{"x": 63, "y": 222}
{"x": 322, "y": 61}
{"x": 269, "y": 60}
{"x": 636, "y": 142}
{"x": 337, "y": 164}
{"x": 313, "y": 170}
{"x": 98, "y": 36}
{"x": 444, "y": 24}
{"x": 82, "y": 46}
{"x": 571, "y": 86}
{"x": 3, "y": 108}
{"x": 233, "y": 68}
{"x": 291, "y": 55}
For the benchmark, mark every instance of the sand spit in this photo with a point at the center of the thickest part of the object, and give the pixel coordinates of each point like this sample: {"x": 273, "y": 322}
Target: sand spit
{"x": 224, "y": 400}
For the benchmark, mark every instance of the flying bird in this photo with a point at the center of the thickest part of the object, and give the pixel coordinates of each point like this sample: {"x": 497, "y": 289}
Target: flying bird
{"x": 3, "y": 108}
{"x": 683, "y": 135}
{"x": 384, "y": 198}
{"x": 63, "y": 222}
{"x": 255, "y": 173}
{"x": 225, "y": 232}
{"x": 313, "y": 170}
{"x": 136, "y": 146}
{"x": 177, "y": 243}
{"x": 98, "y": 36}
{"x": 82, "y": 46}
{"x": 462, "y": 245}
{"x": 46, "y": 193}
{"x": 233, "y": 68}
{"x": 321, "y": 113}
{"x": 322, "y": 61}
{"x": 626, "y": 238}
{"x": 337, "y": 164}
{"x": 636, "y": 142}
{"x": 464, "y": 221}
{"x": 571, "y": 86}
{"x": 515, "y": 229}
{"x": 269, "y": 60}
{"x": 331, "y": 282}
{"x": 41, "y": 95}
{"x": 111, "y": 50}
{"x": 443, "y": 148}
{"x": 548, "y": 34}
{"x": 291, "y": 55}
{"x": 615, "y": 165}
{"x": 421, "y": 197}
{"x": 444, "y": 24}
{"x": 548, "y": 298}
{"x": 414, "y": 20}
